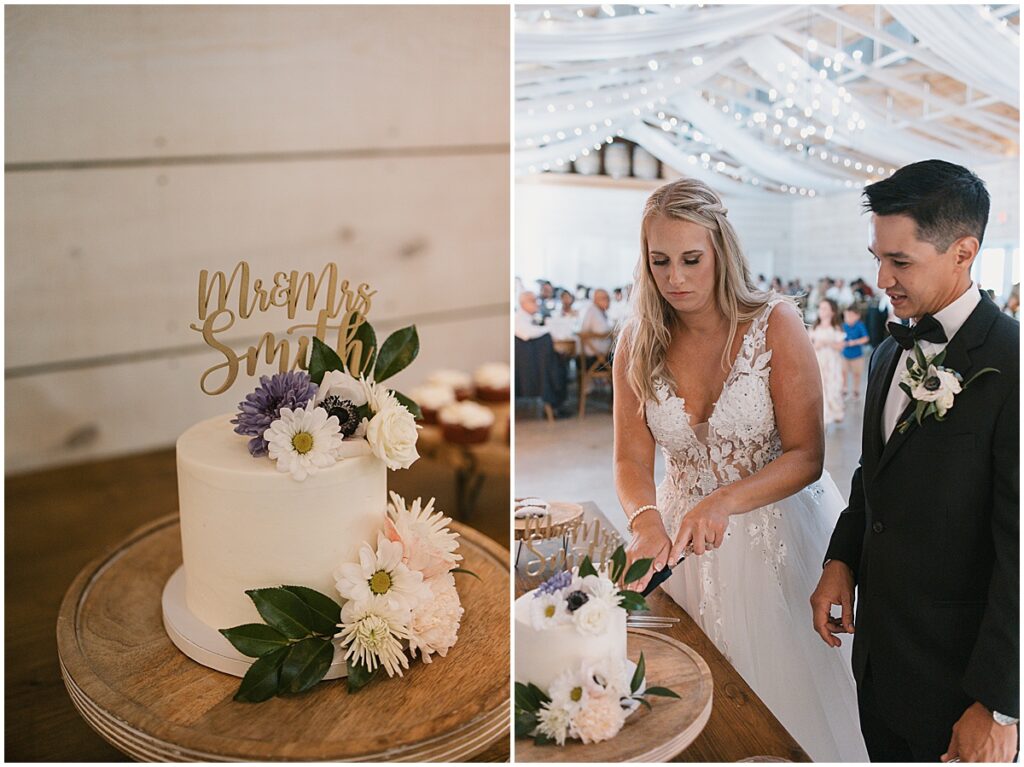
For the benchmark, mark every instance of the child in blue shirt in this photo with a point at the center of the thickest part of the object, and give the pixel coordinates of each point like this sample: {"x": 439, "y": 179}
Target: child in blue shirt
{"x": 853, "y": 352}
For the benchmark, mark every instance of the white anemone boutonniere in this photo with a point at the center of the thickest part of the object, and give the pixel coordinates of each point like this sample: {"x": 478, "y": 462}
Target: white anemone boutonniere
{"x": 931, "y": 387}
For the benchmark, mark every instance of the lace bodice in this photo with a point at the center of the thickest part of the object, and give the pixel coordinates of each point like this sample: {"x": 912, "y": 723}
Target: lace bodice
{"x": 740, "y": 437}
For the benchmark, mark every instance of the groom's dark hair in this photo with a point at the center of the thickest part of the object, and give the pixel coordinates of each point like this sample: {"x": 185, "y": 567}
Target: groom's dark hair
{"x": 946, "y": 201}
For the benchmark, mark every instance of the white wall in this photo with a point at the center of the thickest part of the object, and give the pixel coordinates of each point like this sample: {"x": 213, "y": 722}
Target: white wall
{"x": 570, "y": 233}
{"x": 146, "y": 143}
{"x": 578, "y": 233}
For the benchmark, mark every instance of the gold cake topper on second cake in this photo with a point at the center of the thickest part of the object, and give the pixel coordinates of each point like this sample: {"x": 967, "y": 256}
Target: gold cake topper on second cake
{"x": 222, "y": 300}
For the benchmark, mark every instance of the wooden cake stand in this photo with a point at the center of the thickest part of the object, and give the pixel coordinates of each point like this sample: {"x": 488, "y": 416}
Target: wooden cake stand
{"x": 140, "y": 693}
{"x": 654, "y": 735}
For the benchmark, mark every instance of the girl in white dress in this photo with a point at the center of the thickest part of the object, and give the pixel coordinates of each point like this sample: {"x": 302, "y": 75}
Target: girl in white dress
{"x": 722, "y": 377}
{"x": 829, "y": 341}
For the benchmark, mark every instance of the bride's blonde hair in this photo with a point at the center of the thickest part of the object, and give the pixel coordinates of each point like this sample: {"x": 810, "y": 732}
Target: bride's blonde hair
{"x": 645, "y": 338}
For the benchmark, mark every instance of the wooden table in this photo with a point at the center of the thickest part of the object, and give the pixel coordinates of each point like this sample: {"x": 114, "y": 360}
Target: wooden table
{"x": 55, "y": 522}
{"x": 741, "y": 726}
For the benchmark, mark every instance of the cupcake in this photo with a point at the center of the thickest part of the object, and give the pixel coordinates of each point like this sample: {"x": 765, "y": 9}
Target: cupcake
{"x": 492, "y": 382}
{"x": 459, "y": 382}
{"x": 465, "y": 423}
{"x": 431, "y": 398}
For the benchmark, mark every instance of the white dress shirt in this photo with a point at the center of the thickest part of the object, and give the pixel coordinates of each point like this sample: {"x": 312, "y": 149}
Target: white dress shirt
{"x": 596, "y": 321}
{"x": 951, "y": 318}
{"x": 525, "y": 329}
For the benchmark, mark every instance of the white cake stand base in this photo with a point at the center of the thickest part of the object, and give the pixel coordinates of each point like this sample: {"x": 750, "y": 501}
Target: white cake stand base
{"x": 205, "y": 644}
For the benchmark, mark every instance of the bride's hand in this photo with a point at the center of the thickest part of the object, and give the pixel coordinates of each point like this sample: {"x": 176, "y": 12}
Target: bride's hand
{"x": 650, "y": 541}
{"x": 703, "y": 527}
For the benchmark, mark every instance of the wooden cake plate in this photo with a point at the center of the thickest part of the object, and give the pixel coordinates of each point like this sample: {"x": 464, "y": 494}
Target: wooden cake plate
{"x": 144, "y": 696}
{"x": 655, "y": 735}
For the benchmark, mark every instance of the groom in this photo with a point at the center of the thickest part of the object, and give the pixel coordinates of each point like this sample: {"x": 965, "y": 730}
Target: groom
{"x": 930, "y": 536}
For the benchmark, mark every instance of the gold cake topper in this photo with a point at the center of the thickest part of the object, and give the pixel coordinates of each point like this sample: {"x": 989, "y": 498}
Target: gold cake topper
{"x": 580, "y": 538}
{"x": 222, "y": 300}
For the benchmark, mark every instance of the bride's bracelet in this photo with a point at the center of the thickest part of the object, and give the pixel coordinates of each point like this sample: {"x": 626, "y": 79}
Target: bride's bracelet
{"x": 636, "y": 513}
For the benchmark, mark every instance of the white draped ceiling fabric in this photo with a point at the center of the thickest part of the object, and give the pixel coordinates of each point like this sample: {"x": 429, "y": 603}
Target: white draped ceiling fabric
{"x": 745, "y": 98}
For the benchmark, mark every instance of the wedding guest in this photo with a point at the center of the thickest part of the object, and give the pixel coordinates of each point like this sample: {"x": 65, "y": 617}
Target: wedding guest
{"x": 832, "y": 291}
{"x": 546, "y": 300}
{"x": 564, "y": 323}
{"x": 596, "y": 321}
{"x": 1012, "y": 305}
{"x": 828, "y": 339}
{"x": 853, "y": 352}
{"x": 619, "y": 309}
{"x": 526, "y": 326}
{"x": 762, "y": 283}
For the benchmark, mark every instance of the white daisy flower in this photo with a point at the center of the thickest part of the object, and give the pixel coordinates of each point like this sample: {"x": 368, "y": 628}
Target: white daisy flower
{"x": 568, "y": 691}
{"x": 427, "y": 543}
{"x": 548, "y": 610}
{"x": 382, "y": 573}
{"x": 553, "y": 721}
{"x": 303, "y": 441}
{"x": 373, "y": 630}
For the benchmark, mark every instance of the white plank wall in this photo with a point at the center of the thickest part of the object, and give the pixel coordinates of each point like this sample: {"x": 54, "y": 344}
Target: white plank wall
{"x": 147, "y": 143}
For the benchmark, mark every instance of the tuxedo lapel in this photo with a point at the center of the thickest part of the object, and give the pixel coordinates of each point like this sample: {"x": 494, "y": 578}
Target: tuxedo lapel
{"x": 971, "y": 335}
{"x": 874, "y": 403}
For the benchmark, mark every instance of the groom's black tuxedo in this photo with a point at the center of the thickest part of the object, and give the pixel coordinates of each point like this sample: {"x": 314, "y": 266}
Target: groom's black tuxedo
{"x": 931, "y": 534}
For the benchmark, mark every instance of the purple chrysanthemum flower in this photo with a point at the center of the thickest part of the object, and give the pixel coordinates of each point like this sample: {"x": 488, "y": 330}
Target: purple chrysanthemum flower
{"x": 261, "y": 408}
{"x": 554, "y": 583}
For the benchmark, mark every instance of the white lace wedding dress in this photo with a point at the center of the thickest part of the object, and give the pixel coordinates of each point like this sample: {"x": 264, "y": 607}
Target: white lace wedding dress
{"x": 751, "y": 595}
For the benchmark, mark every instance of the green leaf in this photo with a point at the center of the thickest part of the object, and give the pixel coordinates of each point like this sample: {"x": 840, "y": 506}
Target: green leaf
{"x": 325, "y": 613}
{"x": 910, "y": 364}
{"x": 364, "y": 411}
{"x": 906, "y": 390}
{"x": 411, "y": 406}
{"x": 306, "y": 663}
{"x": 637, "y": 570}
{"x": 529, "y": 697}
{"x": 284, "y": 611}
{"x": 260, "y": 682}
{"x": 919, "y": 411}
{"x": 922, "y": 361}
{"x": 464, "y": 571}
{"x": 321, "y": 359}
{"x": 255, "y": 639}
{"x": 526, "y": 723}
{"x": 358, "y": 676}
{"x": 663, "y": 692}
{"x": 633, "y": 601}
{"x": 587, "y": 568}
{"x": 978, "y": 375}
{"x": 618, "y": 563}
{"x": 400, "y": 348}
{"x": 644, "y": 702}
{"x": 638, "y": 675}
{"x": 938, "y": 359}
{"x": 542, "y": 740}
{"x": 368, "y": 338}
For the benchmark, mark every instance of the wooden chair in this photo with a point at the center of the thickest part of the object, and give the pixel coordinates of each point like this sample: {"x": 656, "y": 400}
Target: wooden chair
{"x": 592, "y": 365}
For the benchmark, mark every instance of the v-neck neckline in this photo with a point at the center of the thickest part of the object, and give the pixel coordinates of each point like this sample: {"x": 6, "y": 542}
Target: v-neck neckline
{"x": 674, "y": 390}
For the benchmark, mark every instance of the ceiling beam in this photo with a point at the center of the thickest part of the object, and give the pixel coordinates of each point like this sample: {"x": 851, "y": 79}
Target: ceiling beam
{"x": 979, "y": 118}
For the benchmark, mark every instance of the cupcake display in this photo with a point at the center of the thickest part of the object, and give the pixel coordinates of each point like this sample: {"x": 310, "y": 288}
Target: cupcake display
{"x": 466, "y": 423}
{"x": 461, "y": 383}
{"x": 431, "y": 398}
{"x": 493, "y": 382}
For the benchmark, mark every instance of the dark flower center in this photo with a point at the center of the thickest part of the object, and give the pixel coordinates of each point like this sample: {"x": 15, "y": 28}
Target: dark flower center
{"x": 576, "y": 600}
{"x": 345, "y": 411}
{"x": 932, "y": 384}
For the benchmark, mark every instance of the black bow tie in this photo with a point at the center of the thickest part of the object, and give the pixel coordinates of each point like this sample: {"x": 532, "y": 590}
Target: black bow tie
{"x": 928, "y": 329}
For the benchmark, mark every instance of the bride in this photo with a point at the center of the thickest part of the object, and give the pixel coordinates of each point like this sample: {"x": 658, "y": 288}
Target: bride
{"x": 722, "y": 377}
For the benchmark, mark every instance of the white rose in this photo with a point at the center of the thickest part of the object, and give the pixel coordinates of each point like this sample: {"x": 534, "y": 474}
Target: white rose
{"x": 337, "y": 383}
{"x": 392, "y": 435}
{"x": 591, "y": 617}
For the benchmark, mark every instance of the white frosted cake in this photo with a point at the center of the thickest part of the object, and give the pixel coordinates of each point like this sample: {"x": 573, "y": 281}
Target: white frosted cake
{"x": 546, "y": 646}
{"x": 246, "y": 525}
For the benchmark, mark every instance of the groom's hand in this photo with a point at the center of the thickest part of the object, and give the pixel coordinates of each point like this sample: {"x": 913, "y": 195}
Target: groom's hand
{"x": 835, "y": 587}
{"x": 978, "y": 738}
